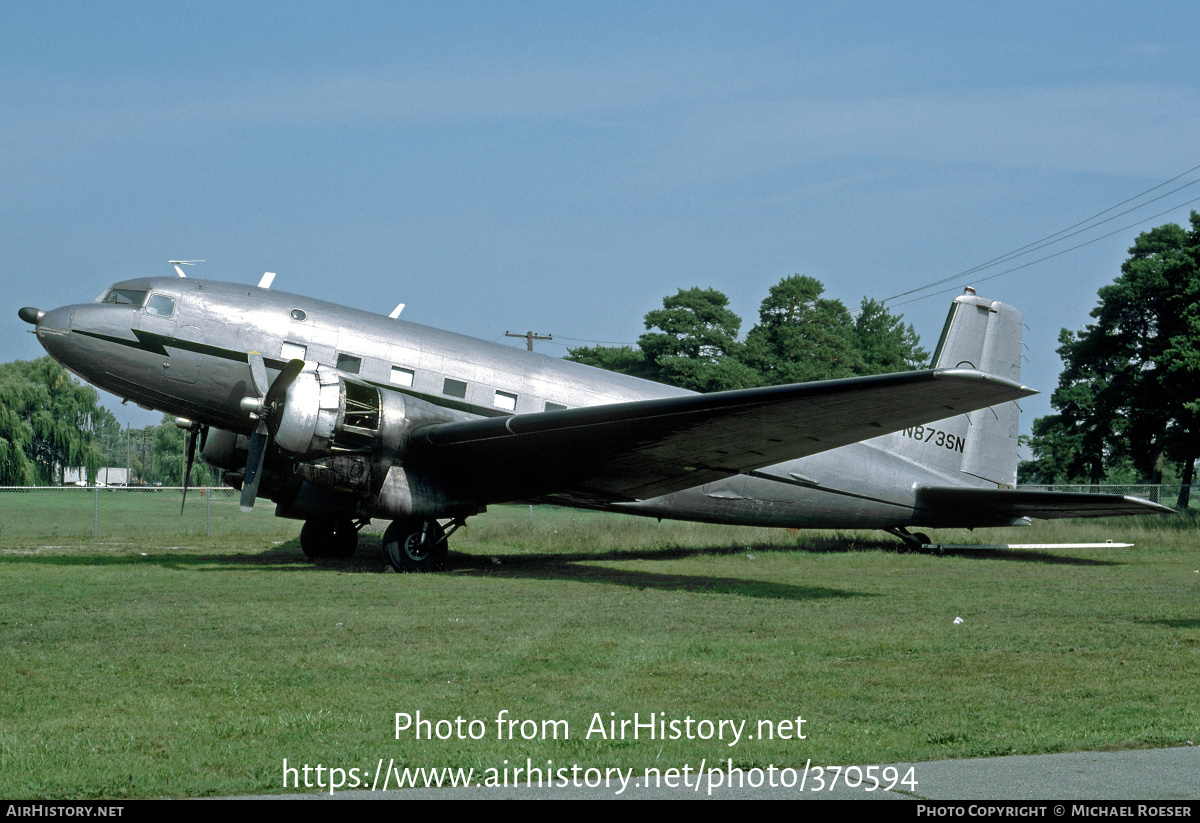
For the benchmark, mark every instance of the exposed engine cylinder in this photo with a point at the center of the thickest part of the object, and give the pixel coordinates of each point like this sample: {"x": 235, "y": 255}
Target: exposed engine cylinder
{"x": 325, "y": 414}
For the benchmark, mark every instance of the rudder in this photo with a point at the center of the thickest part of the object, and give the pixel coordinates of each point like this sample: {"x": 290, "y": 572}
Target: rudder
{"x": 985, "y": 335}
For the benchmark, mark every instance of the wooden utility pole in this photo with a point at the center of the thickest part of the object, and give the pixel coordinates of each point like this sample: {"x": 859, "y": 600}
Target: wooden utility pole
{"x": 530, "y": 337}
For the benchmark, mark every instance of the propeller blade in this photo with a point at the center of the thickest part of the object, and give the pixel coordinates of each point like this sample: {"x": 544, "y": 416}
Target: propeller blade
{"x": 187, "y": 472}
{"x": 269, "y": 400}
{"x": 258, "y": 373}
{"x": 279, "y": 388}
{"x": 254, "y": 460}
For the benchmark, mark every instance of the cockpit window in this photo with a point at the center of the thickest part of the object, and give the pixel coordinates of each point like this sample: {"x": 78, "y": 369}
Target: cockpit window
{"x": 125, "y": 297}
{"x": 161, "y": 305}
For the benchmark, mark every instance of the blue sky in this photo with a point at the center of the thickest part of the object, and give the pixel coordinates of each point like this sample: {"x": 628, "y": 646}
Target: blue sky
{"x": 563, "y": 166}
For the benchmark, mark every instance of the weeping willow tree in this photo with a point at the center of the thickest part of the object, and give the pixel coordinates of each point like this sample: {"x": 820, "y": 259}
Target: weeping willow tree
{"x": 48, "y": 423}
{"x": 15, "y": 437}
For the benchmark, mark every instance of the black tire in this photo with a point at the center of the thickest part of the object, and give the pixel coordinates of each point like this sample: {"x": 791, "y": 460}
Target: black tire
{"x": 406, "y": 551}
{"x": 922, "y": 539}
{"x": 325, "y": 539}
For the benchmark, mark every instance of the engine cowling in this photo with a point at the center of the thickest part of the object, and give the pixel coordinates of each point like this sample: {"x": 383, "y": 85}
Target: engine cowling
{"x": 312, "y": 409}
{"x": 325, "y": 413}
{"x": 225, "y": 449}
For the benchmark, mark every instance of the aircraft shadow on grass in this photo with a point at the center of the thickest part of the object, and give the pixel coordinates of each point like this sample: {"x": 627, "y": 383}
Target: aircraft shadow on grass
{"x": 576, "y": 566}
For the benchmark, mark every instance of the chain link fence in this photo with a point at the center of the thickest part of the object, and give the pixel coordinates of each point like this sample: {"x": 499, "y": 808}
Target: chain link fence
{"x": 115, "y": 513}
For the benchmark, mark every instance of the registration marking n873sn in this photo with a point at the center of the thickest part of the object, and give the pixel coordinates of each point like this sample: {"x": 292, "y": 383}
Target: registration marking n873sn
{"x": 928, "y": 434}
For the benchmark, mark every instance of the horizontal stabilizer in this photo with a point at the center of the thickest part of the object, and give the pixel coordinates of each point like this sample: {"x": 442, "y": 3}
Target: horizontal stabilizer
{"x": 1005, "y": 504}
{"x": 644, "y": 449}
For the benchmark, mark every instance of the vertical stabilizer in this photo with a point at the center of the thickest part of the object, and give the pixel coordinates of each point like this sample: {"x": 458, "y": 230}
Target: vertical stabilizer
{"x": 979, "y": 448}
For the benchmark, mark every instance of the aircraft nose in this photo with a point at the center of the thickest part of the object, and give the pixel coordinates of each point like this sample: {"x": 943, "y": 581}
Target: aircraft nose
{"x": 31, "y": 315}
{"x": 52, "y": 328}
{"x": 55, "y": 321}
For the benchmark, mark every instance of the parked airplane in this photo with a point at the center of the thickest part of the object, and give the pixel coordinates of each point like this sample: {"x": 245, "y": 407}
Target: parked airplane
{"x": 340, "y": 415}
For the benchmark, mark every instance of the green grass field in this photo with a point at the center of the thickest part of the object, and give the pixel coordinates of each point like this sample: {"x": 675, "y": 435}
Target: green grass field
{"x": 114, "y": 515}
{"x": 158, "y": 662}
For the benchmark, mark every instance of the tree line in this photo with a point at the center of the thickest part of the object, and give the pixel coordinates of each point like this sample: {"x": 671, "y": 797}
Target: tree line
{"x": 693, "y": 341}
{"x": 50, "y": 424}
{"x": 1128, "y": 399}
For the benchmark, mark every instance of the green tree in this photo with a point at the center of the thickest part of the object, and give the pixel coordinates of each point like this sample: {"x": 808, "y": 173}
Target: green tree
{"x": 16, "y": 432}
{"x": 802, "y": 336}
{"x": 1130, "y": 386}
{"x": 692, "y": 342}
{"x": 884, "y": 342}
{"x": 621, "y": 359}
{"x": 164, "y": 464}
{"x": 1059, "y": 454}
{"x": 51, "y": 420}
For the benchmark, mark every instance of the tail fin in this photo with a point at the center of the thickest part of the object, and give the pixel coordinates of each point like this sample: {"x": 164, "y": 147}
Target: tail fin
{"x": 979, "y": 448}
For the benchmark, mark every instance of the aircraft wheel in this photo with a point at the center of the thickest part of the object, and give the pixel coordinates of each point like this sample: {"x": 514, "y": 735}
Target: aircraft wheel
{"x": 415, "y": 546}
{"x": 321, "y": 539}
{"x": 922, "y": 539}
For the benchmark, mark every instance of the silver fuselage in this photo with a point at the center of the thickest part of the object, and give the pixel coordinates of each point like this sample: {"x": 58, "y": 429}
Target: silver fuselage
{"x": 193, "y": 364}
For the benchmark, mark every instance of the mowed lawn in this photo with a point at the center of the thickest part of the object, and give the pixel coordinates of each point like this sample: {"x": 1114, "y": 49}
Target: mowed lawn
{"x": 157, "y": 663}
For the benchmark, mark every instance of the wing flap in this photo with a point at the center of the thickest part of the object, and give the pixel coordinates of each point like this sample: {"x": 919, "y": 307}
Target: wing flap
{"x": 644, "y": 449}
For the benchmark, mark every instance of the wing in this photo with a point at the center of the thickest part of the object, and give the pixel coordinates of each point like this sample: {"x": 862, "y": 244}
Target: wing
{"x": 643, "y": 449}
{"x": 979, "y": 505}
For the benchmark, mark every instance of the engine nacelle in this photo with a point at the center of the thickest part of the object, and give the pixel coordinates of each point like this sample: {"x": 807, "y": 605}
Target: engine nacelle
{"x": 324, "y": 413}
{"x": 225, "y": 449}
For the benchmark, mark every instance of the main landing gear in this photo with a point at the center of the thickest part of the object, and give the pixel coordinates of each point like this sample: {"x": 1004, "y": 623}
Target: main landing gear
{"x": 417, "y": 545}
{"x": 330, "y": 539}
{"x": 913, "y": 542}
{"x": 408, "y": 545}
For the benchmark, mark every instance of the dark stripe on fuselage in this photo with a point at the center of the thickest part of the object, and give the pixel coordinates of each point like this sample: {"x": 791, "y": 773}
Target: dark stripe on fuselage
{"x": 155, "y": 343}
{"x": 147, "y": 344}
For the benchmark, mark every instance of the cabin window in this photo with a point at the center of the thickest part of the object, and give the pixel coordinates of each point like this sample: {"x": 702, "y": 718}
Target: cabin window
{"x": 554, "y": 406}
{"x": 401, "y": 377}
{"x": 298, "y": 315}
{"x": 454, "y": 388}
{"x": 161, "y": 305}
{"x": 293, "y": 351}
{"x": 349, "y": 363}
{"x": 125, "y": 297}
{"x": 505, "y": 400}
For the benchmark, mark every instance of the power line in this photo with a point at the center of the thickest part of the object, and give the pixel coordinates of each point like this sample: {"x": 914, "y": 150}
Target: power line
{"x": 1063, "y": 234}
{"x": 600, "y": 342}
{"x": 1041, "y": 244}
{"x": 1098, "y": 214}
{"x": 1047, "y": 257}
